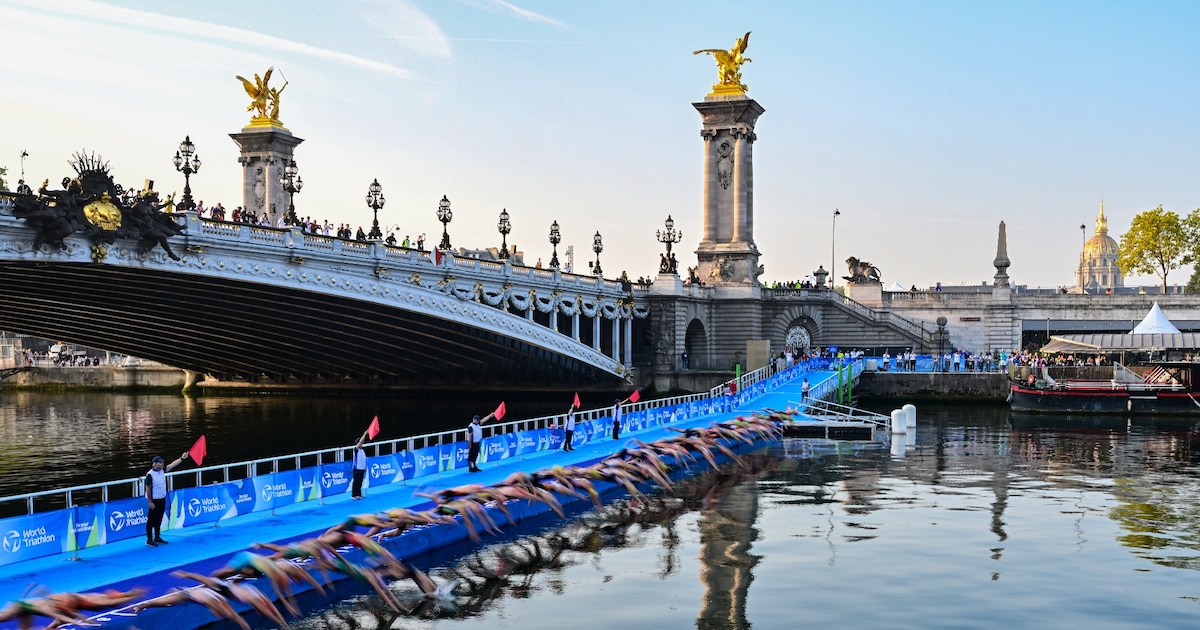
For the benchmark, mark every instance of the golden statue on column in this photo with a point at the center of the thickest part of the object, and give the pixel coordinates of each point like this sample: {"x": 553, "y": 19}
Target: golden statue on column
{"x": 729, "y": 67}
{"x": 264, "y": 100}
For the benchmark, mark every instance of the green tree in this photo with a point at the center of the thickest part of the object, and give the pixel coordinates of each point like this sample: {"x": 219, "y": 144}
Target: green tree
{"x": 1193, "y": 284}
{"x": 1156, "y": 243}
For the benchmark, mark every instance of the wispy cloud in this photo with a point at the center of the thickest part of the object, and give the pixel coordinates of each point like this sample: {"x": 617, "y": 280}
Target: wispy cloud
{"x": 524, "y": 14}
{"x": 196, "y": 29}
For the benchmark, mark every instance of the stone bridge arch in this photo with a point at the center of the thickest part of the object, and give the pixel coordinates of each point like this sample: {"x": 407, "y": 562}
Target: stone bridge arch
{"x": 696, "y": 344}
{"x": 794, "y": 324}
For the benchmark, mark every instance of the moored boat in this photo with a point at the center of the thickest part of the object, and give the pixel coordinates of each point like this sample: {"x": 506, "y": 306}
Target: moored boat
{"x": 1161, "y": 387}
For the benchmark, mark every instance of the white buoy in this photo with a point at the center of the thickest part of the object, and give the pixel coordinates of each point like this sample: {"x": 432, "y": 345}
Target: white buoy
{"x": 898, "y": 421}
{"x": 910, "y": 437}
{"x": 898, "y": 447}
{"x": 910, "y": 416}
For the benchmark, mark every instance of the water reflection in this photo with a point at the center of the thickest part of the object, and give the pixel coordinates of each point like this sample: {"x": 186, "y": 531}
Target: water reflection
{"x": 1085, "y": 521}
{"x": 537, "y": 565}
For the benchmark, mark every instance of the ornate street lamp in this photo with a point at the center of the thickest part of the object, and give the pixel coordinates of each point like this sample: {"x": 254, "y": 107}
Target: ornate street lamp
{"x": 375, "y": 202}
{"x": 444, "y": 214}
{"x": 597, "y": 246}
{"x": 291, "y": 182}
{"x": 667, "y": 237}
{"x": 555, "y": 239}
{"x": 186, "y": 162}
{"x": 505, "y": 227}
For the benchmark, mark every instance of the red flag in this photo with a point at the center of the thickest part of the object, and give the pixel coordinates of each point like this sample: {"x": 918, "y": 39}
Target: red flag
{"x": 576, "y": 400}
{"x": 198, "y": 451}
{"x": 499, "y": 412}
{"x": 437, "y": 257}
{"x": 373, "y": 430}
{"x": 635, "y": 396}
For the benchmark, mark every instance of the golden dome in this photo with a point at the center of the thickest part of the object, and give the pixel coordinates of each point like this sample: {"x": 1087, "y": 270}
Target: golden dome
{"x": 1100, "y": 245}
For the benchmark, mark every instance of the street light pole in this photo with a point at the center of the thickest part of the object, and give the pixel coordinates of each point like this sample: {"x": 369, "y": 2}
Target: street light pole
{"x": 667, "y": 237}
{"x": 833, "y": 245}
{"x": 555, "y": 239}
{"x": 291, "y": 183}
{"x": 375, "y": 201}
{"x": 186, "y": 162}
{"x": 444, "y": 214}
{"x": 505, "y": 227}
{"x": 597, "y": 246}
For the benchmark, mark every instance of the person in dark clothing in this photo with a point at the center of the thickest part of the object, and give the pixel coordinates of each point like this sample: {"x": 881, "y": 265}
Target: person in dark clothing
{"x": 156, "y": 497}
{"x": 360, "y": 468}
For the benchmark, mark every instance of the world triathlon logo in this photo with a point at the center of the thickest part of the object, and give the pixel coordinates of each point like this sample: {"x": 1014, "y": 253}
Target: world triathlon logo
{"x": 374, "y": 471}
{"x": 116, "y": 521}
{"x": 12, "y": 541}
{"x": 327, "y": 480}
{"x": 194, "y": 508}
{"x": 268, "y": 492}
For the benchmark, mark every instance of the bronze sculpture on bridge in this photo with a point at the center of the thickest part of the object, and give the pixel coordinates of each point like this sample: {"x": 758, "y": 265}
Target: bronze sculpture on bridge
{"x": 861, "y": 271}
{"x": 102, "y": 210}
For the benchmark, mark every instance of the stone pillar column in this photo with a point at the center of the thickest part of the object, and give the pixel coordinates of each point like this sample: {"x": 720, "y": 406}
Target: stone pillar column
{"x": 709, "y": 229}
{"x": 727, "y": 255}
{"x": 554, "y": 318}
{"x": 616, "y": 339}
{"x": 628, "y": 337}
{"x": 575, "y": 324}
{"x": 739, "y": 192}
{"x": 265, "y": 151}
{"x": 596, "y": 330}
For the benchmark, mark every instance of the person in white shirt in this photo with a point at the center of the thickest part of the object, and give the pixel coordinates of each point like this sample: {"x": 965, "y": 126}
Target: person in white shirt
{"x": 569, "y": 428}
{"x": 156, "y": 497}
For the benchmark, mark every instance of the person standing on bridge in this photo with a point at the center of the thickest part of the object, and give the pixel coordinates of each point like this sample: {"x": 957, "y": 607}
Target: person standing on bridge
{"x": 156, "y": 497}
{"x": 804, "y": 390}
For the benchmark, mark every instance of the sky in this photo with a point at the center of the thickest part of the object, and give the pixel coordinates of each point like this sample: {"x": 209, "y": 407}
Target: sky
{"x": 924, "y": 124}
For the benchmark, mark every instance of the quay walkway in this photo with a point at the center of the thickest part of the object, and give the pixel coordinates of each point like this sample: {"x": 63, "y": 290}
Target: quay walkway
{"x": 127, "y": 564}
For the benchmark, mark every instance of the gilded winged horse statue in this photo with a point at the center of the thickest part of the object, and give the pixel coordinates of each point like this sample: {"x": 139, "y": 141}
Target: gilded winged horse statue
{"x": 729, "y": 66}
{"x": 263, "y": 96}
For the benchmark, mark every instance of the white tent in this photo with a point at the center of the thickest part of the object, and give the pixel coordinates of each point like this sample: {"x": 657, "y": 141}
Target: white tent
{"x": 1155, "y": 322}
{"x": 896, "y": 288}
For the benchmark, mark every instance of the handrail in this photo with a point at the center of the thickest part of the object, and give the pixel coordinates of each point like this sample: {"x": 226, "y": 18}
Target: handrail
{"x": 250, "y": 468}
{"x": 840, "y": 412}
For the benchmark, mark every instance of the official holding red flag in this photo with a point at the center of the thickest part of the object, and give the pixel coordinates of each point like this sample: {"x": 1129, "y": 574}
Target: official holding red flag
{"x": 360, "y": 459}
{"x": 569, "y": 425}
{"x": 475, "y": 437}
{"x": 156, "y": 497}
{"x": 617, "y": 413}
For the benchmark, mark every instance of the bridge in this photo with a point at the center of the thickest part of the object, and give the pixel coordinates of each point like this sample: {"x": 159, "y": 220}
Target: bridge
{"x": 258, "y": 304}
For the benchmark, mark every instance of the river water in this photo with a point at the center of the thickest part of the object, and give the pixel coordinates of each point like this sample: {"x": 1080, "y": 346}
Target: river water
{"x": 986, "y": 521}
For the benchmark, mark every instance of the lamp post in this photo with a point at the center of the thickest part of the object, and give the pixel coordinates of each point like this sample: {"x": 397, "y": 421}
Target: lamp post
{"x": 833, "y": 245}
{"x": 375, "y": 202}
{"x": 555, "y": 239}
{"x": 597, "y": 246}
{"x": 186, "y": 162}
{"x": 291, "y": 183}
{"x": 444, "y": 214}
{"x": 505, "y": 227}
{"x": 667, "y": 237}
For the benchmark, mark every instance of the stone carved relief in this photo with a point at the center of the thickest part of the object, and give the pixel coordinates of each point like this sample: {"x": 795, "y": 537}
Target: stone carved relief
{"x": 260, "y": 189}
{"x": 721, "y": 269}
{"x": 725, "y": 164}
